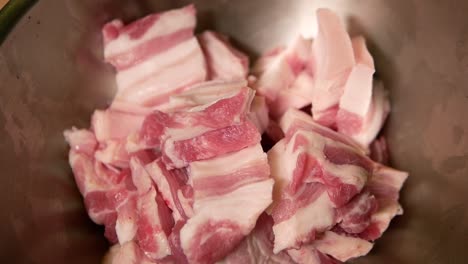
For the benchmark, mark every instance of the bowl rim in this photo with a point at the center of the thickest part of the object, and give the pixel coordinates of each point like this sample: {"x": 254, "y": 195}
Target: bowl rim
{"x": 11, "y": 13}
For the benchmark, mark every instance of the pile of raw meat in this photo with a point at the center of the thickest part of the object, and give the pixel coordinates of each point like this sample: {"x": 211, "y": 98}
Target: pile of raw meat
{"x": 175, "y": 170}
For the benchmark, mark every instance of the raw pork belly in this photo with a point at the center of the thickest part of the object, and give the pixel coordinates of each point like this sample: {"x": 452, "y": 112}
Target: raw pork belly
{"x": 283, "y": 77}
{"x": 124, "y": 201}
{"x": 329, "y": 198}
{"x": 224, "y": 61}
{"x": 314, "y": 174}
{"x": 154, "y": 56}
{"x": 332, "y": 60}
{"x": 175, "y": 169}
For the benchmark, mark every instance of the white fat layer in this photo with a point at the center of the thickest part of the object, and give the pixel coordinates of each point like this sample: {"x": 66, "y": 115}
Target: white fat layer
{"x": 341, "y": 247}
{"x": 243, "y": 206}
{"x": 229, "y": 163}
{"x": 375, "y": 118}
{"x": 318, "y": 215}
{"x": 169, "y": 22}
{"x": 128, "y": 77}
{"x": 357, "y": 94}
{"x": 189, "y": 70}
{"x": 224, "y": 62}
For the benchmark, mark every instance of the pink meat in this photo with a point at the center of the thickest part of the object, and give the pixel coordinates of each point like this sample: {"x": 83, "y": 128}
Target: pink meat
{"x": 81, "y": 140}
{"x": 185, "y": 124}
{"x": 315, "y": 171}
{"x": 178, "y": 154}
{"x": 153, "y": 219}
{"x": 274, "y": 131}
{"x": 174, "y": 168}
{"x": 385, "y": 185}
{"x": 126, "y": 46}
{"x": 114, "y": 153}
{"x": 224, "y": 174}
{"x": 356, "y": 100}
{"x": 332, "y": 61}
{"x": 297, "y": 201}
{"x": 178, "y": 255}
{"x": 375, "y": 118}
{"x": 355, "y": 216}
{"x": 278, "y": 70}
{"x": 297, "y": 96}
{"x": 379, "y": 150}
{"x": 150, "y": 235}
{"x": 109, "y": 124}
{"x": 223, "y": 60}
{"x": 357, "y": 103}
{"x": 212, "y": 226}
{"x": 103, "y": 189}
{"x": 152, "y": 82}
{"x": 174, "y": 189}
{"x": 155, "y": 57}
{"x": 243, "y": 178}
{"x": 294, "y": 120}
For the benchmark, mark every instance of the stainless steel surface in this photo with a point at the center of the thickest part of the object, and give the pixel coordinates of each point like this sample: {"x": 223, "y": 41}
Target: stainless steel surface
{"x": 52, "y": 77}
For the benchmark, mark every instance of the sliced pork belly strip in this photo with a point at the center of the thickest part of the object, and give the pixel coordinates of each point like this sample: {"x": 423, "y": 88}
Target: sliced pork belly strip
{"x": 224, "y": 61}
{"x": 341, "y": 247}
{"x": 333, "y": 59}
{"x": 160, "y": 85}
{"x": 103, "y": 190}
{"x": 155, "y": 57}
{"x": 222, "y": 221}
{"x": 314, "y": 174}
{"x": 173, "y": 187}
{"x": 224, "y": 174}
{"x": 178, "y": 154}
{"x": 192, "y": 123}
{"x": 150, "y": 235}
{"x": 128, "y": 45}
{"x": 385, "y": 185}
{"x": 136, "y": 76}
{"x": 153, "y": 217}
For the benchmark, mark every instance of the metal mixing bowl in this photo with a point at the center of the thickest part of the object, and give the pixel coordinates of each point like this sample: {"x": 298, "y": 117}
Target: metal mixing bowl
{"x": 52, "y": 77}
